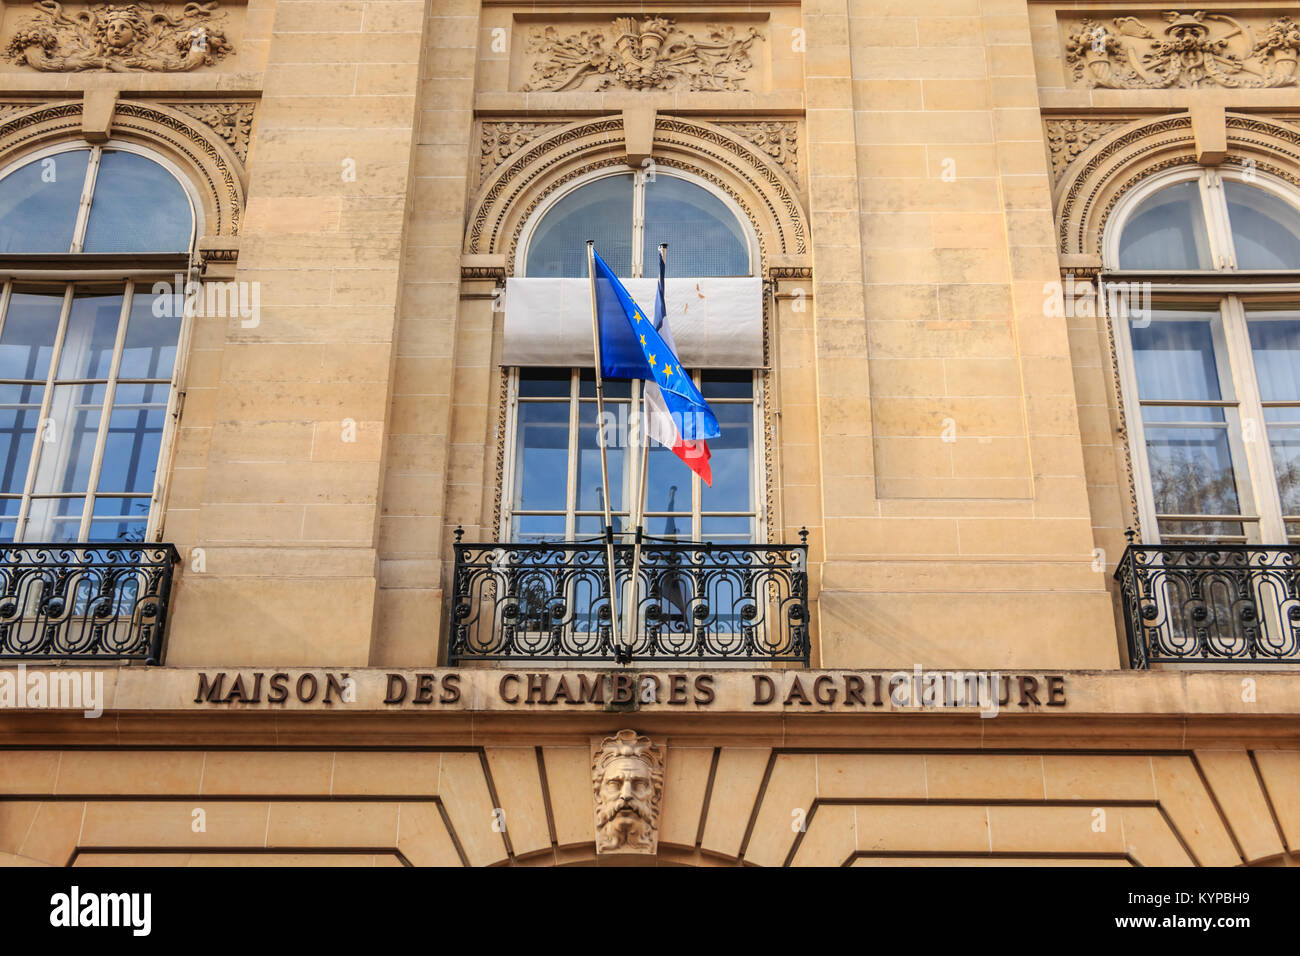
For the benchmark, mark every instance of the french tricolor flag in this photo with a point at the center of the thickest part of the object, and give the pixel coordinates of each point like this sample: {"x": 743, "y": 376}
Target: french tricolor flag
{"x": 633, "y": 345}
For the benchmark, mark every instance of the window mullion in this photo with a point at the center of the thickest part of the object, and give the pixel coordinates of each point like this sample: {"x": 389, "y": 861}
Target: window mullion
{"x": 87, "y": 195}
{"x": 42, "y": 422}
{"x": 1255, "y": 443}
{"x": 1215, "y": 205}
{"x": 571, "y": 485}
{"x": 106, "y": 414}
{"x": 638, "y": 224}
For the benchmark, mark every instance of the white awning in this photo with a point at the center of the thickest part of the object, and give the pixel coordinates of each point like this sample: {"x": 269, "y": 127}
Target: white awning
{"x": 717, "y": 323}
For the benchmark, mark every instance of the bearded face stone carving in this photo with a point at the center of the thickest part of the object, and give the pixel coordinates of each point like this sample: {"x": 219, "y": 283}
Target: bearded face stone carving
{"x": 627, "y": 774}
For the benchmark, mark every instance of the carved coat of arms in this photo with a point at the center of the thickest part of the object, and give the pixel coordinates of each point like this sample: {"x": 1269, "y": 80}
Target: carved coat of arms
{"x": 120, "y": 37}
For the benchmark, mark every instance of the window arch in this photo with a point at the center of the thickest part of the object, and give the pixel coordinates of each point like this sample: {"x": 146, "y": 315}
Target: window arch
{"x": 1207, "y": 219}
{"x": 88, "y": 360}
{"x": 133, "y": 202}
{"x": 1210, "y": 353}
{"x": 628, "y": 214}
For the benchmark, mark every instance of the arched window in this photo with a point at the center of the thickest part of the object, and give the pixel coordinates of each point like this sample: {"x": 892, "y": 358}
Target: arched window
{"x": 88, "y": 359}
{"x": 553, "y": 493}
{"x": 628, "y": 215}
{"x": 1203, "y": 284}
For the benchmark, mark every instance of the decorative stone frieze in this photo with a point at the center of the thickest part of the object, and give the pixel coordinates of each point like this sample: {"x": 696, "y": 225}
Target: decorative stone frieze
{"x": 1198, "y": 49}
{"x": 647, "y": 54}
{"x": 119, "y": 38}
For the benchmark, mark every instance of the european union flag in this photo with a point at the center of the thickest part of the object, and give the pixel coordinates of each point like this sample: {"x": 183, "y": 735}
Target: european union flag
{"x": 631, "y": 347}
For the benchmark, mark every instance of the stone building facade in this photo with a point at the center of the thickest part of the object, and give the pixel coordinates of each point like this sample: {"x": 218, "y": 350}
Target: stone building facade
{"x": 1016, "y": 276}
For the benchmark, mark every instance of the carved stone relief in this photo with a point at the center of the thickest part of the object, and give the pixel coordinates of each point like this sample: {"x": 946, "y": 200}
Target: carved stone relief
{"x": 1067, "y": 138}
{"x": 778, "y": 139}
{"x": 1189, "y": 50}
{"x": 121, "y": 38}
{"x": 501, "y": 139}
{"x": 233, "y": 122}
{"x": 627, "y": 779}
{"x": 651, "y": 53}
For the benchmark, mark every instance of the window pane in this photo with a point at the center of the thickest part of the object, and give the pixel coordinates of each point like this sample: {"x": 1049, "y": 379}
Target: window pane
{"x": 613, "y": 388}
{"x": 38, "y": 203}
{"x": 1265, "y": 229}
{"x": 9, "y": 517}
{"x": 590, "y": 493}
{"x": 1175, "y": 359}
{"x": 54, "y": 519}
{"x": 727, "y": 383}
{"x": 138, "y": 207}
{"x": 731, "y": 461}
{"x": 1167, "y": 231}
{"x": 593, "y": 526}
{"x": 669, "y": 526}
{"x": 27, "y": 341}
{"x": 544, "y": 383}
{"x": 703, "y": 235}
{"x": 1192, "y": 471}
{"x": 92, "y": 331}
{"x": 20, "y": 411}
{"x": 150, "y": 347}
{"x": 602, "y": 211}
{"x": 668, "y": 485}
{"x": 68, "y": 441}
{"x": 1284, "y": 443}
{"x": 541, "y": 456}
{"x": 119, "y": 519}
{"x": 1275, "y": 344}
{"x": 526, "y": 528}
{"x": 134, "y": 439}
{"x": 727, "y": 530}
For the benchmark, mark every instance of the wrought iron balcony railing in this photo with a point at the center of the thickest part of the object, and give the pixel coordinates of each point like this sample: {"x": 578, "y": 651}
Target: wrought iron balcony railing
{"x": 84, "y": 601}
{"x": 1211, "y": 604}
{"x": 697, "y": 602}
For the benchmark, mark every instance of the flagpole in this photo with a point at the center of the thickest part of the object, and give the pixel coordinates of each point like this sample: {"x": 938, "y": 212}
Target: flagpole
{"x": 604, "y": 461}
{"x": 643, "y": 438}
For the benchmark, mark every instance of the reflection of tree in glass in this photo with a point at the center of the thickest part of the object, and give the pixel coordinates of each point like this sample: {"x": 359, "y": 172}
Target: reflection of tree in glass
{"x": 1186, "y": 485}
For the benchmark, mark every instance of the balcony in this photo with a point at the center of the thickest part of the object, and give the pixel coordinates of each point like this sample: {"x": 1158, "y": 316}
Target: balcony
{"x": 1211, "y": 604}
{"x": 84, "y": 602}
{"x": 696, "y": 603}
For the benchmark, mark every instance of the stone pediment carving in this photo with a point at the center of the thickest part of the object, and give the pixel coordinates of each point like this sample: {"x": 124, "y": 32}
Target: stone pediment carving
{"x": 646, "y": 54}
{"x": 627, "y": 778}
{"x": 125, "y": 37}
{"x": 1189, "y": 50}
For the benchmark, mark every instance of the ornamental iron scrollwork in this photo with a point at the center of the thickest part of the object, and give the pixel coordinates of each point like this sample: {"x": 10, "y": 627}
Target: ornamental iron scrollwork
{"x": 1212, "y": 604}
{"x": 85, "y": 601}
{"x": 699, "y": 602}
